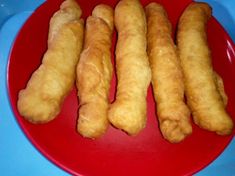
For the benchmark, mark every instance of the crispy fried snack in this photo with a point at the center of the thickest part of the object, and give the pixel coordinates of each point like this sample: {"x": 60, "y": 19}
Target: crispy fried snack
{"x": 48, "y": 86}
{"x": 94, "y": 73}
{"x": 203, "y": 87}
{"x": 128, "y": 112}
{"x": 167, "y": 76}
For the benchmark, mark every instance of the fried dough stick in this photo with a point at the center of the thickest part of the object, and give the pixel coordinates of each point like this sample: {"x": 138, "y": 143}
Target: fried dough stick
{"x": 128, "y": 112}
{"x": 94, "y": 73}
{"x": 167, "y": 76}
{"x": 48, "y": 86}
{"x": 204, "y": 88}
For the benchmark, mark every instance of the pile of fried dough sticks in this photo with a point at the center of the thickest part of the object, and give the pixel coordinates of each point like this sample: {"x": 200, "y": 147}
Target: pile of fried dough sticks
{"x": 145, "y": 52}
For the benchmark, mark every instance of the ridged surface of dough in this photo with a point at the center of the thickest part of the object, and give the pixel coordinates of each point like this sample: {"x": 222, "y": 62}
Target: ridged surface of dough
{"x": 44, "y": 94}
{"x": 94, "y": 73}
{"x": 128, "y": 112}
{"x": 203, "y": 87}
{"x": 167, "y": 76}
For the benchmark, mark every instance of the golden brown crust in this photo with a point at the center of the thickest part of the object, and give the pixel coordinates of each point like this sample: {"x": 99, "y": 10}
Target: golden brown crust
{"x": 48, "y": 86}
{"x": 94, "y": 72}
{"x": 69, "y": 11}
{"x": 167, "y": 76}
{"x": 128, "y": 112}
{"x": 104, "y": 12}
{"x": 202, "y": 92}
{"x": 220, "y": 86}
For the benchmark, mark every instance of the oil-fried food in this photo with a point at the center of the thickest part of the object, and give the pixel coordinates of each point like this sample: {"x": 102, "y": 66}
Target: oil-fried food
{"x": 203, "y": 88}
{"x": 94, "y": 72}
{"x": 128, "y": 112}
{"x": 167, "y": 76}
{"x": 48, "y": 86}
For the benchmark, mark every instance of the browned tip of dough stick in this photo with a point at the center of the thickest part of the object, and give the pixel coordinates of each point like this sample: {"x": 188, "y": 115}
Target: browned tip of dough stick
{"x": 167, "y": 76}
{"x": 69, "y": 11}
{"x": 94, "y": 72}
{"x": 204, "y": 89}
{"x": 41, "y": 100}
{"x": 104, "y": 12}
{"x": 128, "y": 112}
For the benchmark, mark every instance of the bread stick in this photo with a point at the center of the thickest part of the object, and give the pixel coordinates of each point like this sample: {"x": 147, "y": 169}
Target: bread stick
{"x": 94, "y": 73}
{"x": 128, "y": 112}
{"x": 167, "y": 76}
{"x": 48, "y": 86}
{"x": 202, "y": 88}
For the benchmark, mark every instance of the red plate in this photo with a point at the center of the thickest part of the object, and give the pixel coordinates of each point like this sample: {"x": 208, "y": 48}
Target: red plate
{"x": 116, "y": 153}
